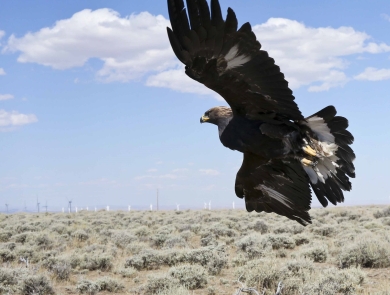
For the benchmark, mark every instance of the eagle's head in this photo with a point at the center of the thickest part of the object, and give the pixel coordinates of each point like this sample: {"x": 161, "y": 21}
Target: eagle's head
{"x": 217, "y": 115}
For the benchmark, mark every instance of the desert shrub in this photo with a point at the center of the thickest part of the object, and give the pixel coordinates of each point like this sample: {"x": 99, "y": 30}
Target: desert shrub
{"x": 8, "y": 280}
{"x": 174, "y": 290}
{"x": 5, "y": 236}
{"x": 175, "y": 241}
{"x": 25, "y": 228}
{"x": 142, "y": 231}
{"x": 27, "y": 252}
{"x": 122, "y": 239}
{"x": 159, "y": 239}
{"x": 260, "y": 273}
{"x": 278, "y": 241}
{"x": 36, "y": 284}
{"x": 384, "y": 213}
{"x": 212, "y": 258}
{"x": 252, "y": 245}
{"x": 43, "y": 241}
{"x": 61, "y": 270}
{"x": 315, "y": 252}
{"x": 88, "y": 287}
{"x": 326, "y": 230}
{"x": 293, "y": 229}
{"x": 367, "y": 252}
{"x": 186, "y": 235}
{"x": 208, "y": 239}
{"x": 109, "y": 285}
{"x": 191, "y": 276}
{"x": 80, "y": 235}
{"x": 128, "y": 272}
{"x": 92, "y": 261}
{"x": 6, "y": 255}
{"x": 260, "y": 226}
{"x": 147, "y": 259}
{"x": 159, "y": 284}
{"x": 136, "y": 248}
{"x": 221, "y": 230}
{"x": 301, "y": 239}
{"x": 20, "y": 238}
{"x": 59, "y": 229}
{"x": 334, "y": 281}
{"x": 295, "y": 274}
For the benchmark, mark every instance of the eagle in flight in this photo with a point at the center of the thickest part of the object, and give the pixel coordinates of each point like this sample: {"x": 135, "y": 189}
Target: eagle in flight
{"x": 284, "y": 153}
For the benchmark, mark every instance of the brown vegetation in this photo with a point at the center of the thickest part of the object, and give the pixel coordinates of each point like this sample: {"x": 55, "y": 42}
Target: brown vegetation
{"x": 344, "y": 251}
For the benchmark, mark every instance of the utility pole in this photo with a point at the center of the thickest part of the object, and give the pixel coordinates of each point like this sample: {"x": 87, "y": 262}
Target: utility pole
{"x": 157, "y": 200}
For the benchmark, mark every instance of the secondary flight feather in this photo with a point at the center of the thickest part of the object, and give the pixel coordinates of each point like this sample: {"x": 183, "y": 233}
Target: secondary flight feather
{"x": 284, "y": 153}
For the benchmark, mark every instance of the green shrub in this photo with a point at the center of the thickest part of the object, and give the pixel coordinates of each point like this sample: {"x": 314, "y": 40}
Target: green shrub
{"x": 384, "y": 213}
{"x": 88, "y": 287}
{"x": 147, "y": 259}
{"x": 367, "y": 252}
{"x": 36, "y": 284}
{"x": 316, "y": 252}
{"x": 160, "y": 284}
{"x": 260, "y": 226}
{"x": 191, "y": 276}
{"x": 109, "y": 285}
{"x": 6, "y": 255}
{"x": 80, "y": 235}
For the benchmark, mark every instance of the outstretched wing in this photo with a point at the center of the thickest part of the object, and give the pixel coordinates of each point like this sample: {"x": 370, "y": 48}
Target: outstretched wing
{"x": 229, "y": 61}
{"x": 278, "y": 186}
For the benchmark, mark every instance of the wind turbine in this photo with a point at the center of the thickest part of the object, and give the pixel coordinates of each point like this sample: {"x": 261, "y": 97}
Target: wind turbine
{"x": 177, "y": 207}
{"x": 69, "y": 205}
{"x": 6, "y": 205}
{"x": 210, "y": 205}
{"x": 233, "y": 205}
{"x": 129, "y": 208}
{"x": 205, "y": 205}
{"x": 38, "y": 204}
{"x": 151, "y": 207}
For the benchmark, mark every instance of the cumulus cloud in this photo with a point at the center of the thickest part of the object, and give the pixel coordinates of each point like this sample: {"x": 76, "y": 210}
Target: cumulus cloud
{"x": 385, "y": 16}
{"x": 210, "y": 172}
{"x": 163, "y": 176}
{"x": 177, "y": 80}
{"x": 313, "y": 55}
{"x": 6, "y": 96}
{"x": 2, "y": 72}
{"x": 128, "y": 46}
{"x": 373, "y": 74}
{"x": 136, "y": 47}
{"x": 14, "y": 118}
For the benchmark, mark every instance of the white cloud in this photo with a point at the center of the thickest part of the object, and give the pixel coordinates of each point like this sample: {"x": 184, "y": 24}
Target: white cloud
{"x": 385, "y": 16}
{"x": 6, "y": 96}
{"x": 177, "y": 80}
{"x": 211, "y": 172}
{"x": 2, "y": 72}
{"x": 313, "y": 55}
{"x": 15, "y": 119}
{"x": 373, "y": 74}
{"x": 152, "y": 170}
{"x": 128, "y": 46}
{"x": 180, "y": 170}
{"x": 137, "y": 46}
{"x": 163, "y": 176}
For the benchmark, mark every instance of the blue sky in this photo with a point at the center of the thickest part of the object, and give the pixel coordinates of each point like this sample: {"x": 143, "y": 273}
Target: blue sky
{"x": 94, "y": 107}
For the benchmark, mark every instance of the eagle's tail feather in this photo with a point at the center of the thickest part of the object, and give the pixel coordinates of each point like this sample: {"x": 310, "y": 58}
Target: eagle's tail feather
{"x": 328, "y": 136}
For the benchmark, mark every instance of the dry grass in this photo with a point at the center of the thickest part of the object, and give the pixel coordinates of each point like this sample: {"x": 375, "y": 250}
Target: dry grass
{"x": 344, "y": 251}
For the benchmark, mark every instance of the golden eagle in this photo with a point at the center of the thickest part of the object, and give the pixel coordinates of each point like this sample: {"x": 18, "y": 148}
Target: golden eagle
{"x": 284, "y": 153}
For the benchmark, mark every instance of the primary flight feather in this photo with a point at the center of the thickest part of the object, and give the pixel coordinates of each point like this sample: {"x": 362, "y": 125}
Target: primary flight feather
{"x": 284, "y": 153}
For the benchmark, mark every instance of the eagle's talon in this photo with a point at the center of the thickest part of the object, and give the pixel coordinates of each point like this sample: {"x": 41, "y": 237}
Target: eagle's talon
{"x": 309, "y": 150}
{"x": 308, "y": 162}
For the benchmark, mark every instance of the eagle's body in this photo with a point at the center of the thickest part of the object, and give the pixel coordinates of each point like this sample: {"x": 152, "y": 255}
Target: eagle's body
{"x": 244, "y": 135}
{"x": 284, "y": 153}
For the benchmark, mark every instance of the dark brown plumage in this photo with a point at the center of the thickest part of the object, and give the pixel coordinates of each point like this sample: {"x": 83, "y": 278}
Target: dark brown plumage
{"x": 284, "y": 153}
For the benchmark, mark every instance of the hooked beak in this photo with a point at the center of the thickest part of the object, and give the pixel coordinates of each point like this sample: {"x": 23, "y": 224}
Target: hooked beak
{"x": 204, "y": 119}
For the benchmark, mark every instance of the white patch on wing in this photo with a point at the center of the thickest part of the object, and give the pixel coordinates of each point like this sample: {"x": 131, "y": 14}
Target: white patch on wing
{"x": 234, "y": 60}
{"x": 326, "y": 148}
{"x": 276, "y": 195}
